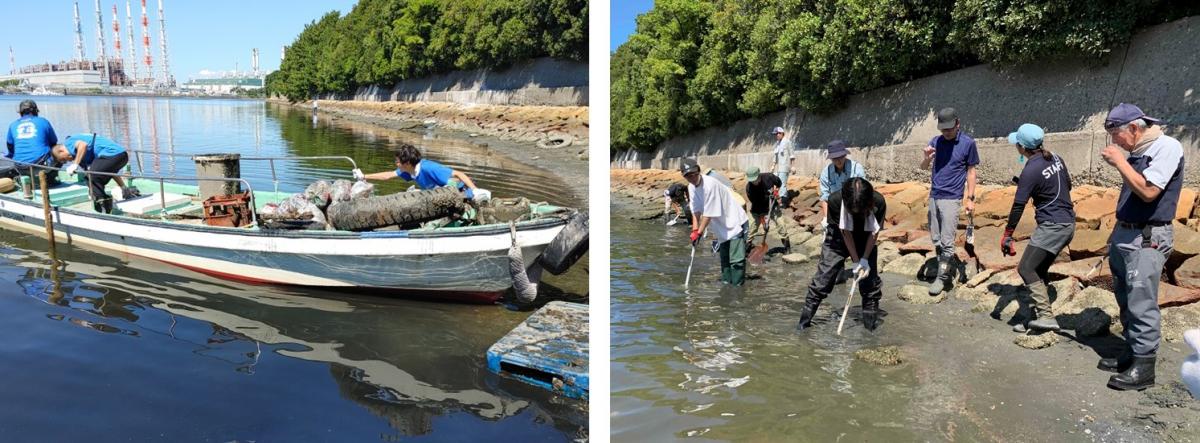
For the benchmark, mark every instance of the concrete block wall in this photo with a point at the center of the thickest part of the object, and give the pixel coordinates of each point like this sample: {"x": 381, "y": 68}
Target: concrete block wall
{"x": 1159, "y": 71}
{"x": 539, "y": 82}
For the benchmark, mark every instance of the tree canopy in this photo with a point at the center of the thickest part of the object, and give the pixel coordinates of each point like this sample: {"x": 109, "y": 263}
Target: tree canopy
{"x": 380, "y": 42}
{"x": 692, "y": 64}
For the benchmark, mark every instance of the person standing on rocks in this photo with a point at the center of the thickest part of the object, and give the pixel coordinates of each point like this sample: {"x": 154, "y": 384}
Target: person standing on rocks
{"x": 856, "y": 212}
{"x": 953, "y": 157}
{"x": 713, "y": 206}
{"x": 1142, "y": 239}
{"x": 840, "y": 169}
{"x": 762, "y": 193}
{"x": 782, "y": 157}
{"x": 1046, "y": 180}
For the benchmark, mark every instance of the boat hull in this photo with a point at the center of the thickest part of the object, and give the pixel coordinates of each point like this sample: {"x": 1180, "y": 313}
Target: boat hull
{"x": 470, "y": 263}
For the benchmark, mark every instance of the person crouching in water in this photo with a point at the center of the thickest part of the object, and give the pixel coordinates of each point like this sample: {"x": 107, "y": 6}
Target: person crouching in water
{"x": 94, "y": 153}
{"x": 1045, "y": 179}
{"x": 856, "y": 212}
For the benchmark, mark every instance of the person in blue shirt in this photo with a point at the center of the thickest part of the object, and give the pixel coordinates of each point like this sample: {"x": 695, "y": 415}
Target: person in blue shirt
{"x": 428, "y": 174}
{"x": 95, "y": 153}
{"x": 952, "y": 157}
{"x": 1047, "y": 182}
{"x": 30, "y": 137}
{"x": 840, "y": 169}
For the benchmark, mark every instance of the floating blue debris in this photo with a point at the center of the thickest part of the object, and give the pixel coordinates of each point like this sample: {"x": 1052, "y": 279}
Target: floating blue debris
{"x": 549, "y": 349}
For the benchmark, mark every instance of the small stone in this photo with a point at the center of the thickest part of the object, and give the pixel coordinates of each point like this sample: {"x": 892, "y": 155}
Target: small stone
{"x": 795, "y": 258}
{"x": 919, "y": 294}
{"x": 882, "y": 356}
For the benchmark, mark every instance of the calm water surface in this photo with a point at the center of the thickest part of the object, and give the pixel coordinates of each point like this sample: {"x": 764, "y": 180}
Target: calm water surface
{"x": 99, "y": 347}
{"x": 726, "y": 364}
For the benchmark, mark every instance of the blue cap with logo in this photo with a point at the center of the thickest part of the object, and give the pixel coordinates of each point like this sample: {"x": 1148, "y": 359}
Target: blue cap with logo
{"x": 1029, "y": 136}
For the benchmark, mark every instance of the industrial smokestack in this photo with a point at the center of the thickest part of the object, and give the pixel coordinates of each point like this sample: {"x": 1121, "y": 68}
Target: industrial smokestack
{"x": 78, "y": 35}
{"x": 12, "y": 62}
{"x": 146, "y": 42}
{"x": 162, "y": 41}
{"x": 100, "y": 44}
{"x": 132, "y": 65}
{"x": 282, "y": 53}
{"x": 254, "y": 61}
{"x": 116, "y": 33}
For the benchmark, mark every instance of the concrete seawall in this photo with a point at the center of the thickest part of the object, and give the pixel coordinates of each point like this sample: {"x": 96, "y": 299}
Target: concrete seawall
{"x": 1159, "y": 71}
{"x": 539, "y": 82}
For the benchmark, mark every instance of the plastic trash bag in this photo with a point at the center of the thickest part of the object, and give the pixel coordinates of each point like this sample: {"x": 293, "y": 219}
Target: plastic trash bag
{"x": 294, "y": 207}
{"x": 1190, "y": 372}
{"x": 319, "y": 193}
{"x": 361, "y": 189}
{"x": 340, "y": 191}
{"x": 269, "y": 210}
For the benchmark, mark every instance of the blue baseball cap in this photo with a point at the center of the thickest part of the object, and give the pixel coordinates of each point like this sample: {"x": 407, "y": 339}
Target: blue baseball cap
{"x": 1029, "y": 136}
{"x": 1125, "y": 113}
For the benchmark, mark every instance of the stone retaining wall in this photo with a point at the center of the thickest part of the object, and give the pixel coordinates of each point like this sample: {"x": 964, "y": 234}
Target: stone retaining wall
{"x": 1157, "y": 71}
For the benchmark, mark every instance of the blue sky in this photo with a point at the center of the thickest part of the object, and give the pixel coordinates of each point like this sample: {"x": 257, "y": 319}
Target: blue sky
{"x": 201, "y": 35}
{"x": 623, "y": 15}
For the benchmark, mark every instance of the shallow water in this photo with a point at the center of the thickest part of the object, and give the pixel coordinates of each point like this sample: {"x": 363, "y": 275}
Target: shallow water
{"x": 102, "y": 348}
{"x": 726, "y": 364}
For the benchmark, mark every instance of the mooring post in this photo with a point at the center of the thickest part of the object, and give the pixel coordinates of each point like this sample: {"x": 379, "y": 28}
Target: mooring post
{"x": 46, "y": 207}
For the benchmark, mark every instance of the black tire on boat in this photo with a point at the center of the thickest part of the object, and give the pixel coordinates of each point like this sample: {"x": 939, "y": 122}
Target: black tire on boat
{"x": 395, "y": 209}
{"x": 566, "y": 248}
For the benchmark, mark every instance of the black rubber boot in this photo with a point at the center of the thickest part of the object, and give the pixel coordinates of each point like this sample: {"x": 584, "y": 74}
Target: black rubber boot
{"x": 787, "y": 246}
{"x": 1139, "y": 375}
{"x": 806, "y": 314}
{"x": 870, "y": 314}
{"x": 1116, "y": 364}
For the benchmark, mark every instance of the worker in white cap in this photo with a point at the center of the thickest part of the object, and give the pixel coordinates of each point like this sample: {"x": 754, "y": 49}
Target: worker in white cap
{"x": 782, "y": 157}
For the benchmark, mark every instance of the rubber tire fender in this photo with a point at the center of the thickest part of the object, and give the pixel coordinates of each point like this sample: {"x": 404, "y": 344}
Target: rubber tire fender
{"x": 568, "y": 246}
{"x": 395, "y": 209}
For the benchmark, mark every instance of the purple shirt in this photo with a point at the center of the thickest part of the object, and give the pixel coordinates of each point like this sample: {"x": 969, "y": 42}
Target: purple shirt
{"x": 950, "y": 163}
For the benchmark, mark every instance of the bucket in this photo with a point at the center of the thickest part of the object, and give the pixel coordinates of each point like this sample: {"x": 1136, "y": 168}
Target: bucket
{"x": 218, "y": 166}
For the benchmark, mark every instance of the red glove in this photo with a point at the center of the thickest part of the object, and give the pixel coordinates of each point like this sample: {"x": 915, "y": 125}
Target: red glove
{"x": 695, "y": 236}
{"x": 775, "y": 193}
{"x": 1006, "y": 243}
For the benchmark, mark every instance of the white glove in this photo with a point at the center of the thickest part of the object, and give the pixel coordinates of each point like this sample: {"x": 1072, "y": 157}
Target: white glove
{"x": 71, "y": 168}
{"x": 1190, "y": 371}
{"x": 862, "y": 267}
{"x": 824, "y": 223}
{"x": 358, "y": 175}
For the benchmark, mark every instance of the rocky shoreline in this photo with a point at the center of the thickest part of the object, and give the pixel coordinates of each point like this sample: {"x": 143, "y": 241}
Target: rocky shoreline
{"x": 1082, "y": 297}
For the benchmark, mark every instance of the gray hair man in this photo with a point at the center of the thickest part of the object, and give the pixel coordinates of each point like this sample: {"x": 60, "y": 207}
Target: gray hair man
{"x": 782, "y": 156}
{"x": 1142, "y": 240}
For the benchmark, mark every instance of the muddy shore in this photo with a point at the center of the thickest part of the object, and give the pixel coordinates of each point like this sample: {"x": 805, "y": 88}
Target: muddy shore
{"x": 964, "y": 346}
{"x": 510, "y": 130}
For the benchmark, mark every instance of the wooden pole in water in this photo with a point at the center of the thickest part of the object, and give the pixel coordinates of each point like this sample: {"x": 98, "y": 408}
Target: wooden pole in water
{"x": 46, "y": 207}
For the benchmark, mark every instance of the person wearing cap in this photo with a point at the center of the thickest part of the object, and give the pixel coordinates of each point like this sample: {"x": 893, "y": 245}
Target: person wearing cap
{"x": 676, "y": 197}
{"x": 713, "y": 206}
{"x": 1142, "y": 240}
{"x": 840, "y": 169}
{"x": 762, "y": 195}
{"x": 1046, "y": 180}
{"x": 782, "y": 156}
{"x": 96, "y": 153}
{"x": 856, "y": 217}
{"x": 952, "y": 157}
{"x": 30, "y": 137}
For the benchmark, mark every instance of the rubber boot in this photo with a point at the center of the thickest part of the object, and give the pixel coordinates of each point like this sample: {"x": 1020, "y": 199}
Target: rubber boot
{"x": 1139, "y": 375}
{"x": 787, "y": 246}
{"x": 943, "y": 277}
{"x": 1116, "y": 364}
{"x": 870, "y": 314}
{"x": 107, "y": 205}
{"x": 806, "y": 314}
{"x": 1043, "y": 315}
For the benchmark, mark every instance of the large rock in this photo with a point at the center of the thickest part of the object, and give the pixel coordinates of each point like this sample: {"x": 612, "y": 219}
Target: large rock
{"x": 1187, "y": 204}
{"x": 907, "y": 265}
{"x": 1177, "y": 319}
{"x": 1081, "y": 193}
{"x": 1171, "y": 295}
{"x": 1089, "y": 243}
{"x": 918, "y": 242}
{"x": 1188, "y": 274}
{"x": 919, "y": 294}
{"x": 913, "y": 194}
{"x": 1089, "y": 212}
{"x": 891, "y": 235}
{"x": 1090, "y": 312}
{"x": 996, "y": 204}
{"x": 1187, "y": 241}
{"x": 1086, "y": 271}
{"x": 987, "y": 248}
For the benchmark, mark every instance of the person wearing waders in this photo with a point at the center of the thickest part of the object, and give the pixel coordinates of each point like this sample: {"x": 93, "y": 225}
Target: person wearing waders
{"x": 953, "y": 157}
{"x": 713, "y": 206}
{"x": 1143, "y": 238}
{"x": 782, "y": 157}
{"x": 856, "y": 214}
{"x": 840, "y": 169}
{"x": 96, "y": 153}
{"x": 762, "y": 195}
{"x": 1046, "y": 180}
{"x": 675, "y": 197}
